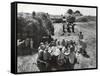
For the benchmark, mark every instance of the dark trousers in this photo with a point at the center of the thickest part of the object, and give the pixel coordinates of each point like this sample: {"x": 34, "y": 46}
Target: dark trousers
{"x": 43, "y": 66}
{"x": 68, "y": 29}
{"x": 73, "y": 29}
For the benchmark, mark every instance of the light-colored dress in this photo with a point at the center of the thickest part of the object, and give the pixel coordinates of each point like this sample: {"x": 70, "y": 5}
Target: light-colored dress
{"x": 55, "y": 51}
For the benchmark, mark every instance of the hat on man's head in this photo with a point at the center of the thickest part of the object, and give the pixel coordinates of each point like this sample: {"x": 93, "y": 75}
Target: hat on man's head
{"x": 43, "y": 47}
{"x": 41, "y": 43}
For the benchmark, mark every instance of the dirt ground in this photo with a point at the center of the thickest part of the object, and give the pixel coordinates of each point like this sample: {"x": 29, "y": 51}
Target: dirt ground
{"x": 28, "y": 63}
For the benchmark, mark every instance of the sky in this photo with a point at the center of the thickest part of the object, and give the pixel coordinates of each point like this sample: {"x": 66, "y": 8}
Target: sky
{"x": 54, "y": 10}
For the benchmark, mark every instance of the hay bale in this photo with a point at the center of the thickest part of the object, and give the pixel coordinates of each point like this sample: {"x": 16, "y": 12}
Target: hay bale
{"x": 36, "y": 27}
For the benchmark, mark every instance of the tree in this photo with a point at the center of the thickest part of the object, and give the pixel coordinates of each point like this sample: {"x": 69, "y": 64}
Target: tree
{"x": 77, "y": 11}
{"x": 70, "y": 11}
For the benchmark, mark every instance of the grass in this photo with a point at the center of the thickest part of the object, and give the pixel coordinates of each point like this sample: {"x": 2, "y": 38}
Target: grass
{"x": 27, "y": 63}
{"x": 89, "y": 31}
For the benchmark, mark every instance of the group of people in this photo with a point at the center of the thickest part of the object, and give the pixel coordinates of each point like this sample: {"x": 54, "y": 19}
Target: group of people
{"x": 27, "y": 43}
{"x": 68, "y": 23}
{"x": 59, "y": 53}
{"x": 70, "y": 27}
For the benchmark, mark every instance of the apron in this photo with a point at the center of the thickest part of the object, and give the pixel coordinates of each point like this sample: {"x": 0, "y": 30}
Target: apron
{"x": 72, "y": 58}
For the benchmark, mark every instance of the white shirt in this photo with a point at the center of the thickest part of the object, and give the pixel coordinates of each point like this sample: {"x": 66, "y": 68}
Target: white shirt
{"x": 55, "y": 51}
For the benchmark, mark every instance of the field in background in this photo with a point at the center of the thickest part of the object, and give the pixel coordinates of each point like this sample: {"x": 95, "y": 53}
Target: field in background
{"x": 27, "y": 63}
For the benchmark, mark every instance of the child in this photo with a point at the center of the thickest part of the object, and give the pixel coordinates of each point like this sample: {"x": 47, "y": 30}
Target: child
{"x": 80, "y": 36}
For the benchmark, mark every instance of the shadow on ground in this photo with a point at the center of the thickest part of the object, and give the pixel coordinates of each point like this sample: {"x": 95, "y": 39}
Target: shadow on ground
{"x": 25, "y": 51}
